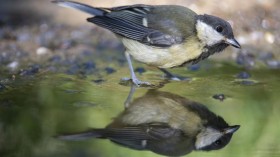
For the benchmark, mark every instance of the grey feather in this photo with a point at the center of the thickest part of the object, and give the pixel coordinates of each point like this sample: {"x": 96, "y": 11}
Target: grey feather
{"x": 82, "y": 7}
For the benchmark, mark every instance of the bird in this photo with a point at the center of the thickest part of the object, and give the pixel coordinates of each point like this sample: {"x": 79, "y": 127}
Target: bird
{"x": 164, "y": 123}
{"x": 163, "y": 36}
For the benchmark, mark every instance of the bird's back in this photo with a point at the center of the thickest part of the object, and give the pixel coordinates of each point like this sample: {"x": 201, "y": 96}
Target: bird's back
{"x": 174, "y": 20}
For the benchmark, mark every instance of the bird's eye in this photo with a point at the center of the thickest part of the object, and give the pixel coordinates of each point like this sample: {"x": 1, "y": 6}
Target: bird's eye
{"x": 219, "y": 29}
{"x": 218, "y": 142}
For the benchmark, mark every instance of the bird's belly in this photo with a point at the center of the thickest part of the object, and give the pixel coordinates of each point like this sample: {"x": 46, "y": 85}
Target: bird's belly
{"x": 163, "y": 57}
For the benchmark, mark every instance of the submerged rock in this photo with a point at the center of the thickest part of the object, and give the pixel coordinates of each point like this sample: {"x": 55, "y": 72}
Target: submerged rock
{"x": 243, "y": 75}
{"x": 220, "y": 97}
{"x": 273, "y": 64}
{"x": 140, "y": 70}
{"x": 31, "y": 70}
{"x": 110, "y": 70}
{"x": 2, "y": 87}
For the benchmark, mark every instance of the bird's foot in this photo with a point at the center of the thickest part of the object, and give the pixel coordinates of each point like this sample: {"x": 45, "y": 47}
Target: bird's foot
{"x": 138, "y": 83}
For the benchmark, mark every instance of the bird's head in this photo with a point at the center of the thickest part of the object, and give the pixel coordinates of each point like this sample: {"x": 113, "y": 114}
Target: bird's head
{"x": 212, "y": 138}
{"x": 214, "y": 31}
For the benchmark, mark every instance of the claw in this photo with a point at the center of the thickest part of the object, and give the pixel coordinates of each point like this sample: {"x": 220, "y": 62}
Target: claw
{"x": 139, "y": 83}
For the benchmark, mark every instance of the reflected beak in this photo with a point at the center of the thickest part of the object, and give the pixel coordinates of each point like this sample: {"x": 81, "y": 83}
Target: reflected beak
{"x": 231, "y": 129}
{"x": 233, "y": 43}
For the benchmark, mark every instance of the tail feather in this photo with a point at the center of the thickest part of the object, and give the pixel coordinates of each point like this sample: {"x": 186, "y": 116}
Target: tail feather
{"x": 95, "y": 133}
{"x": 82, "y": 7}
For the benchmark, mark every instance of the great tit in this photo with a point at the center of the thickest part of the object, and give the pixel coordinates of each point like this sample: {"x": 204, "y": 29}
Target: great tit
{"x": 164, "y": 123}
{"x": 163, "y": 36}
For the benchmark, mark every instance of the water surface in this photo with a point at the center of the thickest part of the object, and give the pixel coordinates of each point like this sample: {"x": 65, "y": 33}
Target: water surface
{"x": 35, "y": 109}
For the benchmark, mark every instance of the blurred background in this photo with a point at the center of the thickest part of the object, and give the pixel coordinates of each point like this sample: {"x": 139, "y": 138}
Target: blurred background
{"x": 61, "y": 74}
{"x": 34, "y": 25}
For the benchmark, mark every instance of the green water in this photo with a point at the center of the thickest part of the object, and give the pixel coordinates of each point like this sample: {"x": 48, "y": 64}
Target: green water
{"x": 34, "y": 110}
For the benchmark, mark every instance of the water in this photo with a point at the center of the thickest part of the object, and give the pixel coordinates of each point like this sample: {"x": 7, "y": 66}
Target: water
{"x": 33, "y": 110}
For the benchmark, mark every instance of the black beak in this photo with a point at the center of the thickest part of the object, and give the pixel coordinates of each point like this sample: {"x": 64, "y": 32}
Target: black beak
{"x": 231, "y": 129}
{"x": 233, "y": 43}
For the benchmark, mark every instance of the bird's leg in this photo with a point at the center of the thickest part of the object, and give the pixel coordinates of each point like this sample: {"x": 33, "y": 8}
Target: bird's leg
{"x": 132, "y": 74}
{"x": 171, "y": 76}
{"x": 130, "y": 95}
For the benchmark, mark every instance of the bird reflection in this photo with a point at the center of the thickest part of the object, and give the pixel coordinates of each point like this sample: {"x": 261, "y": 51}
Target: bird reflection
{"x": 165, "y": 123}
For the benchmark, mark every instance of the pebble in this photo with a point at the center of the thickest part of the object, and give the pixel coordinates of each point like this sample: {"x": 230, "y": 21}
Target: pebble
{"x": 274, "y": 64}
{"x": 243, "y": 75}
{"x": 2, "y": 87}
{"x": 98, "y": 81}
{"x": 110, "y": 70}
{"x": 55, "y": 59}
{"x": 23, "y": 37}
{"x": 73, "y": 69}
{"x": 31, "y": 70}
{"x": 88, "y": 67}
{"x": 87, "y": 52}
{"x": 220, "y": 97}
{"x": 72, "y": 91}
{"x": 83, "y": 104}
{"x": 13, "y": 65}
{"x": 269, "y": 37}
{"x": 246, "y": 60}
{"x": 246, "y": 82}
{"x": 140, "y": 70}
{"x": 42, "y": 51}
{"x": 264, "y": 56}
{"x": 121, "y": 61}
{"x": 194, "y": 67}
{"x": 67, "y": 44}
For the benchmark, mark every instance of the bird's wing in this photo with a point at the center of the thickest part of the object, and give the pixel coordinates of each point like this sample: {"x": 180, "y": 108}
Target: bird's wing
{"x": 139, "y": 137}
{"x": 134, "y": 21}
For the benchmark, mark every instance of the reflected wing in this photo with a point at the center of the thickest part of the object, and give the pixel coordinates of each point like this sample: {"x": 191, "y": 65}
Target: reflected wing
{"x": 142, "y": 137}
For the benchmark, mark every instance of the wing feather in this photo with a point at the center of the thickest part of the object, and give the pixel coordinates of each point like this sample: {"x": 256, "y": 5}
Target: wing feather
{"x": 131, "y": 22}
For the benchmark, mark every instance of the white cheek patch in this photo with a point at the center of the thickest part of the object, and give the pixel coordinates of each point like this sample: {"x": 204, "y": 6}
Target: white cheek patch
{"x": 207, "y": 137}
{"x": 207, "y": 34}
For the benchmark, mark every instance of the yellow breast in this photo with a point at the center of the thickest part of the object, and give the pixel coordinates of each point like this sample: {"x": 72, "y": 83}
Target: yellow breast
{"x": 164, "y": 57}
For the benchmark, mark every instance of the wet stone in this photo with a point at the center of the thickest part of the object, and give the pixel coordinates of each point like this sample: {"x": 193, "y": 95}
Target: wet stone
{"x": 220, "y": 97}
{"x": 23, "y": 37}
{"x": 243, "y": 75}
{"x": 67, "y": 44}
{"x": 246, "y": 82}
{"x": 264, "y": 56}
{"x": 98, "y": 81}
{"x": 73, "y": 69}
{"x": 140, "y": 70}
{"x": 13, "y": 65}
{"x": 194, "y": 67}
{"x": 246, "y": 59}
{"x": 274, "y": 64}
{"x": 31, "y": 70}
{"x": 121, "y": 61}
{"x": 88, "y": 65}
{"x": 87, "y": 52}
{"x": 110, "y": 70}
{"x": 6, "y": 103}
{"x": 2, "y": 87}
{"x": 85, "y": 68}
{"x": 72, "y": 91}
{"x": 55, "y": 59}
{"x": 83, "y": 104}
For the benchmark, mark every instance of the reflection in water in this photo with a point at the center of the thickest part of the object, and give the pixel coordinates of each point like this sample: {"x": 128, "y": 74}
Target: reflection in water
{"x": 166, "y": 124}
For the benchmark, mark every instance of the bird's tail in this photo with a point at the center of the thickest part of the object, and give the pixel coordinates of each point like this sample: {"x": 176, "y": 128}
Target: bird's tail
{"x": 82, "y": 7}
{"x": 94, "y": 133}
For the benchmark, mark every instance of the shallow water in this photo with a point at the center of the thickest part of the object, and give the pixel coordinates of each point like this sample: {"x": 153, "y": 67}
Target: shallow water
{"x": 35, "y": 109}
